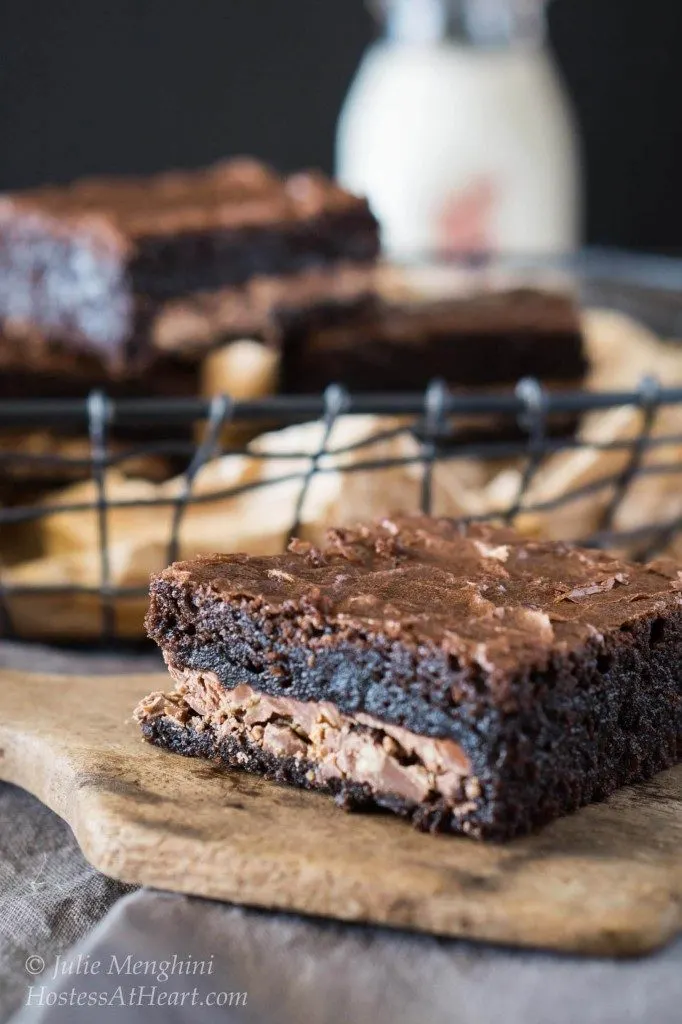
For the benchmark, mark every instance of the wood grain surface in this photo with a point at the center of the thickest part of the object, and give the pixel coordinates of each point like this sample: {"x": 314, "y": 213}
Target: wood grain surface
{"x": 607, "y": 880}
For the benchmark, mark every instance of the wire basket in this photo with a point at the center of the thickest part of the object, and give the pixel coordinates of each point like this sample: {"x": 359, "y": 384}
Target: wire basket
{"x": 430, "y": 418}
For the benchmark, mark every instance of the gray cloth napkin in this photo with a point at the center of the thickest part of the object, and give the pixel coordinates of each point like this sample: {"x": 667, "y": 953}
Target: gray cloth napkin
{"x": 49, "y": 897}
{"x": 289, "y": 968}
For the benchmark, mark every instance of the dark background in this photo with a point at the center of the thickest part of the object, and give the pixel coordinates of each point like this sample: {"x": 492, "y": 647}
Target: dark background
{"x": 140, "y": 85}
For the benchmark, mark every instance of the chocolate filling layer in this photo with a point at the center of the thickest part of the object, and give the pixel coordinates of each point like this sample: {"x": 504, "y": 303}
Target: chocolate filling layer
{"x": 355, "y": 748}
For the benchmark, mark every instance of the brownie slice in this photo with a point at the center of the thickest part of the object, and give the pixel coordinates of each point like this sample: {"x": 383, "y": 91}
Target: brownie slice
{"x": 485, "y": 339}
{"x": 467, "y": 678}
{"x": 88, "y": 264}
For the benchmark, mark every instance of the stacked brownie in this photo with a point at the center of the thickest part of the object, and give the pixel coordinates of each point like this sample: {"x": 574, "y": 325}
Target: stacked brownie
{"x": 466, "y": 678}
{"x": 91, "y": 273}
{"x": 126, "y": 284}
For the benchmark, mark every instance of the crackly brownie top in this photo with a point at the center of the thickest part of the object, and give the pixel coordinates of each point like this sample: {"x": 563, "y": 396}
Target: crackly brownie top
{"x": 232, "y": 194}
{"x": 483, "y": 594}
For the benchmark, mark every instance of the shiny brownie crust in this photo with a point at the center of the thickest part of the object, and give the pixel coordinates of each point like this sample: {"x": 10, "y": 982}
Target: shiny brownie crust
{"x": 556, "y": 670}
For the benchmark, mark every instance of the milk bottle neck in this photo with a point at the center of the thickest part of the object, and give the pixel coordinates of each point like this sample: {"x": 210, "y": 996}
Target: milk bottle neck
{"x": 475, "y": 23}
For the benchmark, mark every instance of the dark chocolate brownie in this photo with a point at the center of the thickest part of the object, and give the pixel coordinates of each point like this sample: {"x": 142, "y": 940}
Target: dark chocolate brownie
{"x": 466, "y": 677}
{"x": 89, "y": 263}
{"x": 485, "y": 339}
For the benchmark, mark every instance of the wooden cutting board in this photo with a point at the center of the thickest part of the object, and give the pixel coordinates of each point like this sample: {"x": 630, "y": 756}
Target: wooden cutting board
{"x": 607, "y": 880}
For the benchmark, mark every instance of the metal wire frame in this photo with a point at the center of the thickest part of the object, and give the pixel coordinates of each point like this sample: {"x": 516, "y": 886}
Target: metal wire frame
{"x": 430, "y": 416}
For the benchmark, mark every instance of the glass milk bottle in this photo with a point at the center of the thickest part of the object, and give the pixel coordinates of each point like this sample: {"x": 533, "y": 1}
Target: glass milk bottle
{"x": 458, "y": 129}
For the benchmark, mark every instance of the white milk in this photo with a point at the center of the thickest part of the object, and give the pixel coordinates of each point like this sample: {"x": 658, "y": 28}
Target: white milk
{"x": 458, "y": 130}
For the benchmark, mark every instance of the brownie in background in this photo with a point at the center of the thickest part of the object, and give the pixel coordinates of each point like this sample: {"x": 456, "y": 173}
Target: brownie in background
{"x": 89, "y": 266}
{"x": 488, "y": 338}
